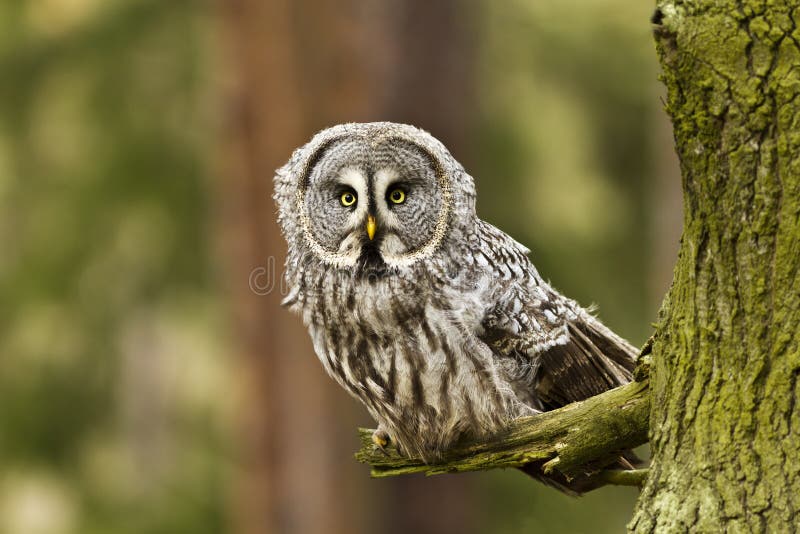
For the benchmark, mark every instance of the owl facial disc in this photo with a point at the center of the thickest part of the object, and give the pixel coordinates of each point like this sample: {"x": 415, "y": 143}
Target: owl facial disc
{"x": 373, "y": 202}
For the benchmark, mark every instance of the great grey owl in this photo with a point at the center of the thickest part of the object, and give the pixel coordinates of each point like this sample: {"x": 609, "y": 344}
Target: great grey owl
{"x": 436, "y": 320}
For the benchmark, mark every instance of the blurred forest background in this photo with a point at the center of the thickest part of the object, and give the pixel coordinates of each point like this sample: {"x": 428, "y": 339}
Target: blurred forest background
{"x": 144, "y": 387}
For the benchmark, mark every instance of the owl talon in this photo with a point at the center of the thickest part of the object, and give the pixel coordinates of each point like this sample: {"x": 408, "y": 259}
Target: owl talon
{"x": 381, "y": 439}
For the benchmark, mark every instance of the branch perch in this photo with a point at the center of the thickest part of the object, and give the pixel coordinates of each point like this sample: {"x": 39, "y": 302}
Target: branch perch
{"x": 570, "y": 439}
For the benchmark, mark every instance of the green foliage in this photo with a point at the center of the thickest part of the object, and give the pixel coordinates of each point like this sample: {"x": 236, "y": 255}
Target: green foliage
{"x": 567, "y": 126}
{"x": 104, "y": 275}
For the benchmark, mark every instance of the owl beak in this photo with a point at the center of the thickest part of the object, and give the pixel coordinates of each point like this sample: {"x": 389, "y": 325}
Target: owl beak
{"x": 371, "y": 226}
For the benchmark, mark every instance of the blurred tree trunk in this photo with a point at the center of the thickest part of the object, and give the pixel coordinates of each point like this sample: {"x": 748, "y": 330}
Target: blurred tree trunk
{"x": 290, "y": 69}
{"x": 725, "y": 420}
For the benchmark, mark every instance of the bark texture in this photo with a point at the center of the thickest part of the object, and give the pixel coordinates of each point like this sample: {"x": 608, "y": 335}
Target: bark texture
{"x": 724, "y": 419}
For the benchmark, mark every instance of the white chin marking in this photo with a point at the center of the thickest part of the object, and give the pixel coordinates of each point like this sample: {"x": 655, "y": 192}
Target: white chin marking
{"x": 392, "y": 246}
{"x": 394, "y": 252}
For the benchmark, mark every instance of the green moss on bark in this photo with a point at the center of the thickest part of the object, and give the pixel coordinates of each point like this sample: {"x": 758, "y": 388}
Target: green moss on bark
{"x": 575, "y": 440}
{"x": 724, "y": 420}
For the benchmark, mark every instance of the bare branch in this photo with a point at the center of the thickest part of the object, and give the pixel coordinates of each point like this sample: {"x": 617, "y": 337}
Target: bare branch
{"x": 632, "y": 477}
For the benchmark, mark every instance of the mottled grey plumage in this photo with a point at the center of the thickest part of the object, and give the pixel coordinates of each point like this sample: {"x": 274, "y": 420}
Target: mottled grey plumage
{"x": 440, "y": 325}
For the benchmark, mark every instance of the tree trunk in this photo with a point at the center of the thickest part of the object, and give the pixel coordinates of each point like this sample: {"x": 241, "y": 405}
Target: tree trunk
{"x": 724, "y": 419}
{"x": 290, "y": 475}
{"x": 294, "y": 67}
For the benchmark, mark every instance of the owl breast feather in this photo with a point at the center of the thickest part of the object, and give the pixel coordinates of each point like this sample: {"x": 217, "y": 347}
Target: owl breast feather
{"x": 410, "y": 353}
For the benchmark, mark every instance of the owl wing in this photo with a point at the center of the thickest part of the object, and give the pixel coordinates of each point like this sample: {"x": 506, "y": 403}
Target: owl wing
{"x": 553, "y": 351}
{"x": 586, "y": 364}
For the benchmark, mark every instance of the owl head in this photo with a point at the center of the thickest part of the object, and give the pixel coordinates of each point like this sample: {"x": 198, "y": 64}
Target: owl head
{"x": 374, "y": 194}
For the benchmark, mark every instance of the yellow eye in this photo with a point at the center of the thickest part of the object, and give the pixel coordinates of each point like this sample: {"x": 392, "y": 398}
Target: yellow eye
{"x": 397, "y": 196}
{"x": 348, "y": 198}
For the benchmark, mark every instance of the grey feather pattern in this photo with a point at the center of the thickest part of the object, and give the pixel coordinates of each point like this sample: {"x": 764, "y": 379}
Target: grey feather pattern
{"x": 440, "y": 325}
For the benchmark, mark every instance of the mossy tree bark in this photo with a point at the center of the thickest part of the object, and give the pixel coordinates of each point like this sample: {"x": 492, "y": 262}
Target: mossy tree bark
{"x": 725, "y": 424}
